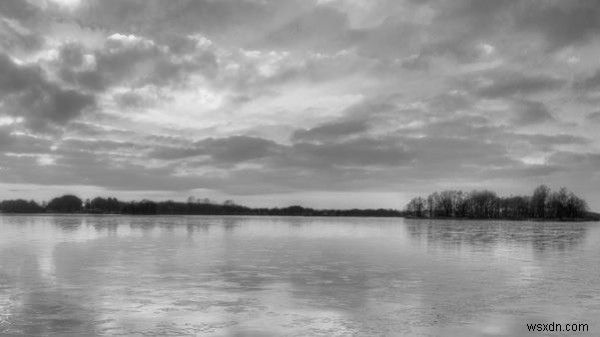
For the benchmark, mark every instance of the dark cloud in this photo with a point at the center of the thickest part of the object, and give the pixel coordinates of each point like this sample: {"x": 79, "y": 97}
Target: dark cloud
{"x": 48, "y": 106}
{"x": 586, "y": 160}
{"x": 594, "y": 116}
{"x": 459, "y": 27}
{"x": 590, "y": 83}
{"x": 522, "y": 171}
{"x": 321, "y": 28}
{"x": 71, "y": 54}
{"x": 508, "y": 83}
{"x": 89, "y": 129}
{"x": 27, "y": 93}
{"x": 465, "y": 127}
{"x": 17, "y": 78}
{"x": 140, "y": 62}
{"x": 229, "y": 21}
{"x": 239, "y": 148}
{"x": 82, "y": 168}
{"x": 21, "y": 143}
{"x": 5, "y": 137}
{"x": 99, "y": 145}
{"x": 88, "y": 80}
{"x": 13, "y": 39}
{"x": 356, "y": 152}
{"x": 561, "y": 23}
{"x": 450, "y": 102}
{"x": 551, "y": 140}
{"x": 368, "y": 164}
{"x": 531, "y": 112}
{"x": 231, "y": 150}
{"x": 453, "y": 154}
{"x": 133, "y": 100}
{"x": 331, "y": 131}
{"x": 19, "y": 10}
{"x": 21, "y": 27}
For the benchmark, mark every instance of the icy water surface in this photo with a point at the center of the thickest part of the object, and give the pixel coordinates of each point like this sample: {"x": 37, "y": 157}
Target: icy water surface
{"x": 262, "y": 276}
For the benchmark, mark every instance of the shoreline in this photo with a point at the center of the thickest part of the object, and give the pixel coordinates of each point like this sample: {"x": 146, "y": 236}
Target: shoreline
{"x": 591, "y": 218}
{"x": 594, "y": 217}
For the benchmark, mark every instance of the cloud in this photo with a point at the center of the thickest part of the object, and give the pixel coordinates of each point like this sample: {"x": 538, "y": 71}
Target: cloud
{"x": 332, "y": 130}
{"x": 230, "y": 150}
{"x": 589, "y": 83}
{"x": 594, "y": 116}
{"x": 530, "y": 112}
{"x": 14, "y": 38}
{"x": 19, "y": 10}
{"x": 22, "y": 27}
{"x": 71, "y": 54}
{"x": 27, "y": 93}
{"x": 134, "y": 61}
{"x": 523, "y": 171}
{"x": 561, "y": 23}
{"x": 360, "y": 152}
{"x": 551, "y": 140}
{"x": 271, "y": 96}
{"x": 508, "y": 83}
{"x": 321, "y": 28}
{"x": 17, "y": 78}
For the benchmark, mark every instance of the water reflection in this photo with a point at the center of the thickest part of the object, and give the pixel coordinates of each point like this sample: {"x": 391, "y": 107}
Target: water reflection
{"x": 239, "y": 276}
{"x": 68, "y": 224}
{"x": 101, "y": 225}
{"x": 542, "y": 236}
{"x": 192, "y": 227}
{"x": 35, "y": 307}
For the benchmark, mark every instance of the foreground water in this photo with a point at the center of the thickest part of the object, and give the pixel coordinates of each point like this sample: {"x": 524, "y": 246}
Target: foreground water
{"x": 260, "y": 276}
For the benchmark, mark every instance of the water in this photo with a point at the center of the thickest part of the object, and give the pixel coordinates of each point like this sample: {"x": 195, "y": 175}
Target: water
{"x": 261, "y": 276}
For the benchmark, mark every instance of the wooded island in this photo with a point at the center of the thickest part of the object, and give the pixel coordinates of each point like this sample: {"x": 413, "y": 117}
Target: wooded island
{"x": 543, "y": 204}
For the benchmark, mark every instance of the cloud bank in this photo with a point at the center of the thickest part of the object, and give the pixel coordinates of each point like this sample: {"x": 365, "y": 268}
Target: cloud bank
{"x": 327, "y": 103}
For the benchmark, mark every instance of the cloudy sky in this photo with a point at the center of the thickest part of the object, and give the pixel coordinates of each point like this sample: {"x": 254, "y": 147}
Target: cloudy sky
{"x": 324, "y": 103}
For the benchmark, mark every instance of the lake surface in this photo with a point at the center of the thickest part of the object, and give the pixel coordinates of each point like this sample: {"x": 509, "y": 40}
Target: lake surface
{"x": 268, "y": 276}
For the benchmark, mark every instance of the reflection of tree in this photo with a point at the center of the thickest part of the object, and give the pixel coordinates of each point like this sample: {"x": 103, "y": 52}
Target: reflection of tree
{"x": 543, "y": 236}
{"x": 101, "y": 224}
{"x": 145, "y": 224}
{"x": 560, "y": 237}
{"x": 192, "y": 227}
{"x": 230, "y": 223}
{"x": 68, "y": 224}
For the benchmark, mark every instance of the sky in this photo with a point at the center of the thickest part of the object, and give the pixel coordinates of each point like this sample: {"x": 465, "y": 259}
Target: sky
{"x": 322, "y": 103}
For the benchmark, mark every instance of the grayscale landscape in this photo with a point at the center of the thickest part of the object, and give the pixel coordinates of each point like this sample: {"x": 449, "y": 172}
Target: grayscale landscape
{"x": 299, "y": 168}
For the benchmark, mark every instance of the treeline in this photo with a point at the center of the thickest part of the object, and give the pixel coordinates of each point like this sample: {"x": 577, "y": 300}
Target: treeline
{"x": 73, "y": 204}
{"x": 542, "y": 204}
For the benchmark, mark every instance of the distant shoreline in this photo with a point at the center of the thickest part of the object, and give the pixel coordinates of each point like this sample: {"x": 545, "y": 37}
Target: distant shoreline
{"x": 591, "y": 217}
{"x": 543, "y": 206}
{"x": 221, "y": 214}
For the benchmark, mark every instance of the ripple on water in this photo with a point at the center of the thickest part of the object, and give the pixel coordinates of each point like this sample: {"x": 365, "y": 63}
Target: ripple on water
{"x": 306, "y": 277}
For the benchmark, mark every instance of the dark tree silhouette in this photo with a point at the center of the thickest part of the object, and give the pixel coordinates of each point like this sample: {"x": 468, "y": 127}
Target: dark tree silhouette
{"x": 20, "y": 206}
{"x": 65, "y": 204}
{"x": 543, "y": 204}
{"x": 539, "y": 200}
